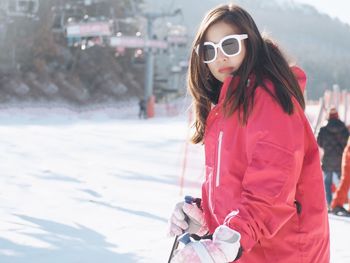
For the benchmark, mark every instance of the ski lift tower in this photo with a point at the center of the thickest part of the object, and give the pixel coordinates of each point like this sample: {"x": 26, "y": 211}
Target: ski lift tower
{"x": 17, "y": 9}
{"x": 149, "y": 71}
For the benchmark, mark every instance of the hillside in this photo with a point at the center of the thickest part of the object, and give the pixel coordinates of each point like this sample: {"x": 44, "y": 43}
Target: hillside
{"x": 37, "y": 63}
{"x": 315, "y": 41}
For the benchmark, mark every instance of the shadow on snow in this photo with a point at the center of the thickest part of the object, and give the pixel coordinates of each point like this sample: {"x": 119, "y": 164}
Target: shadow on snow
{"x": 67, "y": 244}
{"x": 134, "y": 212}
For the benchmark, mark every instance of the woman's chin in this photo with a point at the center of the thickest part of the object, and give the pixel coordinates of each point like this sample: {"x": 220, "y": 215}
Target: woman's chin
{"x": 222, "y": 76}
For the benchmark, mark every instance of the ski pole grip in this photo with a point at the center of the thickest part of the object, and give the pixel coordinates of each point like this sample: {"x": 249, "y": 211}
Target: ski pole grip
{"x": 185, "y": 238}
{"x": 189, "y": 199}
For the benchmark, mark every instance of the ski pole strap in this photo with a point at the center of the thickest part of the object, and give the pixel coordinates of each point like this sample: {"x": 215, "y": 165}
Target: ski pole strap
{"x": 197, "y": 238}
{"x": 239, "y": 254}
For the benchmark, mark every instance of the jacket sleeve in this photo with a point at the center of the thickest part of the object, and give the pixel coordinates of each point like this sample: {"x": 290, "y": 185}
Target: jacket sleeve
{"x": 275, "y": 152}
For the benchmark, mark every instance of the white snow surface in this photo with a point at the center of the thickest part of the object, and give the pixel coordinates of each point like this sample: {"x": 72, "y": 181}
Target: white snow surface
{"x": 99, "y": 188}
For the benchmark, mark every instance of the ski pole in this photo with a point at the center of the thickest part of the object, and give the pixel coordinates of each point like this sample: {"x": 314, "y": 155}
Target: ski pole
{"x": 184, "y": 238}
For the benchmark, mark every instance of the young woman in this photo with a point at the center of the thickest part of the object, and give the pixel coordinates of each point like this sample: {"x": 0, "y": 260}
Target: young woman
{"x": 263, "y": 198}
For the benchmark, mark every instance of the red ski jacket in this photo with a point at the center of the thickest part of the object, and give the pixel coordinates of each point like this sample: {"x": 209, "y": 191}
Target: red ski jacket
{"x": 264, "y": 180}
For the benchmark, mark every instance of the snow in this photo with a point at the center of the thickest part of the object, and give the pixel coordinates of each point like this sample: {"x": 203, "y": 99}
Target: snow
{"x": 97, "y": 187}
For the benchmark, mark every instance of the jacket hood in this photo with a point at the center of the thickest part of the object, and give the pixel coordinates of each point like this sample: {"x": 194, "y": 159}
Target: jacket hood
{"x": 300, "y": 76}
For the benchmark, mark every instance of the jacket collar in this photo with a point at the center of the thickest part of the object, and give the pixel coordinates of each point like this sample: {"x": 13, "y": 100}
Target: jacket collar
{"x": 226, "y": 85}
{"x": 231, "y": 82}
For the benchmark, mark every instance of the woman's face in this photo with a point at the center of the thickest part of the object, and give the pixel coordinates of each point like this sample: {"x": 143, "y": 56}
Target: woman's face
{"x": 223, "y": 66}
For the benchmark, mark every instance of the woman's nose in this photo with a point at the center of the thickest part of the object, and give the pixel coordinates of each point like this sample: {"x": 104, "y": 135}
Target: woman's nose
{"x": 221, "y": 55}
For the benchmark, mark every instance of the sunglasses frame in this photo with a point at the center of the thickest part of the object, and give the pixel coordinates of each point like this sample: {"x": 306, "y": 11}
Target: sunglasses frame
{"x": 238, "y": 37}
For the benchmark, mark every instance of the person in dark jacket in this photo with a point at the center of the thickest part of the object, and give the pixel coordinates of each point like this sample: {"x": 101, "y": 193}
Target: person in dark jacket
{"x": 332, "y": 139}
{"x": 142, "y": 109}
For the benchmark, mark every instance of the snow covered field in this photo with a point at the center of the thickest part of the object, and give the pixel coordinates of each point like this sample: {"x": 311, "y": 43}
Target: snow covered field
{"x": 98, "y": 188}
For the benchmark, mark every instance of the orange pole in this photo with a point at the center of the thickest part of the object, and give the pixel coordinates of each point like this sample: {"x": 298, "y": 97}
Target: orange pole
{"x": 150, "y": 107}
{"x": 184, "y": 161}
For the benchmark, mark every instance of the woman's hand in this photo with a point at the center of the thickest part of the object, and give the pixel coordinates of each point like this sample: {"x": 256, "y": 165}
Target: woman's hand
{"x": 223, "y": 248}
{"x": 187, "y": 218}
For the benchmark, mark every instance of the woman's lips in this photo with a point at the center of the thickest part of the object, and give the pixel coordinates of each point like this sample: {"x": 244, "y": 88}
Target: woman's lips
{"x": 226, "y": 70}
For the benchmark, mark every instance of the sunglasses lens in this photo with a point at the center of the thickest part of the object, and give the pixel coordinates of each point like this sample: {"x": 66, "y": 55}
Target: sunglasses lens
{"x": 208, "y": 52}
{"x": 230, "y": 46}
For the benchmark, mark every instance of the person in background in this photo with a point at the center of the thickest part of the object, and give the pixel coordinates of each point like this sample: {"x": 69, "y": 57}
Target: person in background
{"x": 142, "y": 109}
{"x": 341, "y": 194}
{"x": 332, "y": 139}
{"x": 263, "y": 198}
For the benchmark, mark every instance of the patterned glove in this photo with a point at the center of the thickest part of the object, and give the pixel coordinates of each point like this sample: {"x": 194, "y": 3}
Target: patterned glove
{"x": 223, "y": 248}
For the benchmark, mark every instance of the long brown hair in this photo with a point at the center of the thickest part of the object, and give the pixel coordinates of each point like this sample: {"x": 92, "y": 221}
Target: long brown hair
{"x": 263, "y": 58}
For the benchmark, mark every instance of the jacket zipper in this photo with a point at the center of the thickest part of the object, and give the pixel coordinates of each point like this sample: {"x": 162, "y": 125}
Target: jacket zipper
{"x": 221, "y": 134}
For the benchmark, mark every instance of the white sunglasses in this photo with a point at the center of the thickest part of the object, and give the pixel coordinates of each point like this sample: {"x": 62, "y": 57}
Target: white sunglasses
{"x": 230, "y": 46}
